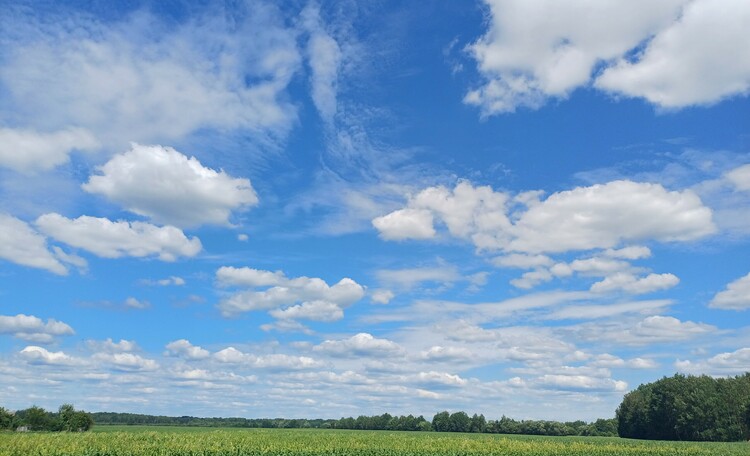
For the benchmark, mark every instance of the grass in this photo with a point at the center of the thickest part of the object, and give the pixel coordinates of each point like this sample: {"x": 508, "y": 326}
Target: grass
{"x": 195, "y": 441}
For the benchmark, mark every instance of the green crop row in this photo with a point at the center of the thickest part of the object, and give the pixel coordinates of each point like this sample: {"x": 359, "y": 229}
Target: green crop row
{"x": 271, "y": 442}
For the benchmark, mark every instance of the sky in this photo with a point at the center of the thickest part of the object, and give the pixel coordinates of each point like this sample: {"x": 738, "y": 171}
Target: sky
{"x": 327, "y": 209}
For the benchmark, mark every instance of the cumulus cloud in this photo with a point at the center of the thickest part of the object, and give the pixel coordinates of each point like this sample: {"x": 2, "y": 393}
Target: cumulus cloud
{"x": 439, "y": 353}
{"x": 666, "y": 52}
{"x": 287, "y": 298}
{"x": 139, "y": 79}
{"x": 168, "y": 187}
{"x": 522, "y": 261}
{"x": 580, "y": 383}
{"x": 678, "y": 67}
{"x": 184, "y": 349}
{"x": 33, "y": 329}
{"x": 381, "y": 296}
{"x": 109, "y": 239}
{"x": 249, "y": 277}
{"x": 38, "y": 355}
{"x": 133, "y": 303}
{"x": 405, "y": 224}
{"x": 435, "y": 379}
{"x": 635, "y": 285}
{"x": 21, "y": 244}
{"x": 362, "y": 344}
{"x": 740, "y": 177}
{"x": 534, "y": 50}
{"x": 601, "y": 216}
{"x": 126, "y": 361}
{"x": 310, "y": 310}
{"x": 607, "y": 360}
{"x": 275, "y": 362}
{"x": 736, "y": 296}
{"x": 730, "y": 363}
{"x": 110, "y": 346}
{"x": 29, "y": 151}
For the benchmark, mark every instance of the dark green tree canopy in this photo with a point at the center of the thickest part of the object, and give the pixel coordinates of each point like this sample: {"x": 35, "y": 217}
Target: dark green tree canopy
{"x": 688, "y": 408}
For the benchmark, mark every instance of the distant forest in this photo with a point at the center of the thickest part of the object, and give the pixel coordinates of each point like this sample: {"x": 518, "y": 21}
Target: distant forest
{"x": 441, "y": 422}
{"x": 674, "y": 408}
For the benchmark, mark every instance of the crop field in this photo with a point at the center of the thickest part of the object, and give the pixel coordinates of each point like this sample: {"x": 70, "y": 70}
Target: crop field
{"x": 170, "y": 441}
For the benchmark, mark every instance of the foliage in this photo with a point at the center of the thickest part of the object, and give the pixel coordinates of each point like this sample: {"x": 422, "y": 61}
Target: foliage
{"x": 699, "y": 408}
{"x": 311, "y": 442}
{"x": 7, "y": 419}
{"x": 37, "y": 419}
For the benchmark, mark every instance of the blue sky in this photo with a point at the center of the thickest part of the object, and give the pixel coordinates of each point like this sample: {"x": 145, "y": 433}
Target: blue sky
{"x": 339, "y": 208}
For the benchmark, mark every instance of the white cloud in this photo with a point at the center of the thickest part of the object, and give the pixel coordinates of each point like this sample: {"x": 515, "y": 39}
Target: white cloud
{"x": 586, "y": 312}
{"x": 249, "y": 277}
{"x": 109, "y": 346}
{"x": 362, "y": 344}
{"x": 33, "y": 329}
{"x": 20, "y": 244}
{"x": 603, "y": 216}
{"x": 183, "y": 348}
{"x": 600, "y": 216}
{"x": 740, "y": 177}
{"x": 607, "y": 360}
{"x": 324, "y": 57}
{"x": 409, "y": 278}
{"x": 139, "y": 79}
{"x": 275, "y": 362}
{"x": 651, "y": 330}
{"x": 439, "y": 379}
{"x": 736, "y": 296}
{"x": 693, "y": 61}
{"x": 317, "y": 310}
{"x": 405, "y": 224}
{"x": 580, "y": 383}
{"x": 126, "y": 361}
{"x": 534, "y": 50}
{"x": 381, "y": 296}
{"x": 168, "y": 187}
{"x": 440, "y": 353}
{"x": 522, "y": 261}
{"x": 109, "y": 239}
{"x": 669, "y": 329}
{"x": 635, "y": 285}
{"x": 633, "y": 252}
{"x": 133, "y": 303}
{"x": 730, "y": 363}
{"x": 171, "y": 280}
{"x": 29, "y": 151}
{"x": 288, "y": 298}
{"x": 38, "y": 355}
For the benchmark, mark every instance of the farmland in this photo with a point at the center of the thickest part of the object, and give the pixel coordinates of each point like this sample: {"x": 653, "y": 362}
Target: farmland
{"x": 179, "y": 441}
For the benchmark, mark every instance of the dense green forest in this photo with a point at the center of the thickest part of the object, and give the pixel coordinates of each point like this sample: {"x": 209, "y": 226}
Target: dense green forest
{"x": 688, "y": 408}
{"x": 36, "y": 418}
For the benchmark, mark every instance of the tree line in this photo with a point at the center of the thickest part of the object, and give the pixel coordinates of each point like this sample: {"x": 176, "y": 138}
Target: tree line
{"x": 441, "y": 422}
{"x": 699, "y": 408}
{"x": 36, "y": 418}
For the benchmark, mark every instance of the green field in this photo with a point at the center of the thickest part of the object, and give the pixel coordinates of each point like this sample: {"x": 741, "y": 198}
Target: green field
{"x": 174, "y": 441}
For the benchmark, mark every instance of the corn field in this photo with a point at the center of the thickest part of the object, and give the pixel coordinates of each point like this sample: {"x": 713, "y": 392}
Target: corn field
{"x": 146, "y": 441}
